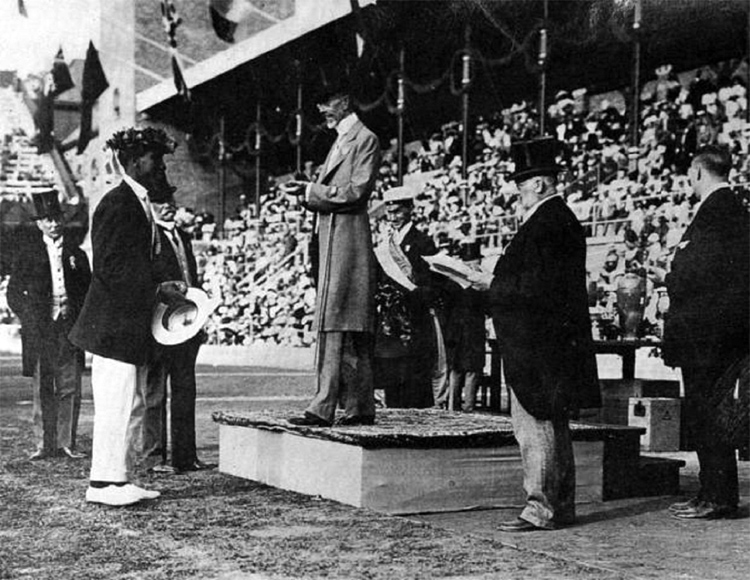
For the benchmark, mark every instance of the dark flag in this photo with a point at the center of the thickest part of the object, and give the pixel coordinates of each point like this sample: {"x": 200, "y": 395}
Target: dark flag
{"x": 93, "y": 85}
{"x": 226, "y": 15}
{"x": 22, "y": 9}
{"x": 171, "y": 20}
{"x": 44, "y": 116}
{"x": 61, "y": 75}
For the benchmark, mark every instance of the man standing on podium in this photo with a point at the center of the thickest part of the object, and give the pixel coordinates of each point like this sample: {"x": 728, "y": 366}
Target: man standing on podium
{"x": 539, "y": 305}
{"x": 345, "y": 305}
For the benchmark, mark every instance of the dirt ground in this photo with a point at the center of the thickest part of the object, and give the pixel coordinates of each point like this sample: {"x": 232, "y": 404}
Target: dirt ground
{"x": 209, "y": 525}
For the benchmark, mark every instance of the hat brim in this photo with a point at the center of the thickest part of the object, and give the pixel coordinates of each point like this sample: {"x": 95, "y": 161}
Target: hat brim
{"x": 534, "y": 172}
{"x": 180, "y": 333}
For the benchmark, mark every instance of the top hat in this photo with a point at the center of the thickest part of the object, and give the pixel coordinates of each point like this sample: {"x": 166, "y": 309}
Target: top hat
{"x": 470, "y": 251}
{"x": 534, "y": 157}
{"x": 162, "y": 194}
{"x": 401, "y": 194}
{"x": 335, "y": 84}
{"x": 182, "y": 318}
{"x": 46, "y": 205}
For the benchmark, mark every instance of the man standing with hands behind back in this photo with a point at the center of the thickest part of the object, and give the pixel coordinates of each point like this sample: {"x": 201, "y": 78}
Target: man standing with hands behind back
{"x": 48, "y": 284}
{"x": 115, "y": 322}
{"x": 539, "y": 305}
{"x": 706, "y": 328}
{"x": 345, "y": 305}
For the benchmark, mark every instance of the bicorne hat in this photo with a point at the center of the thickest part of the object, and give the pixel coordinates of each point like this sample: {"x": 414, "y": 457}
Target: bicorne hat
{"x": 534, "y": 157}
{"x": 46, "y": 204}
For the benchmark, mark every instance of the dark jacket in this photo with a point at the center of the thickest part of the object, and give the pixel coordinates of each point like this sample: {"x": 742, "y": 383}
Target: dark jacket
{"x": 709, "y": 308}
{"x": 418, "y": 302}
{"x": 166, "y": 265}
{"x": 30, "y": 291}
{"x": 464, "y": 333}
{"x": 539, "y": 307}
{"x": 115, "y": 321}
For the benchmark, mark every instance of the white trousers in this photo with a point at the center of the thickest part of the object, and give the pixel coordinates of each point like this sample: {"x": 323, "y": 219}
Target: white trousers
{"x": 118, "y": 389}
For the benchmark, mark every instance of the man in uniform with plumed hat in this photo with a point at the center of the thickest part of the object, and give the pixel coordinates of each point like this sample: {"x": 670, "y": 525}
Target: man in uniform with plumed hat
{"x": 115, "y": 322}
{"x": 345, "y": 306}
{"x": 539, "y": 305}
{"x": 48, "y": 283}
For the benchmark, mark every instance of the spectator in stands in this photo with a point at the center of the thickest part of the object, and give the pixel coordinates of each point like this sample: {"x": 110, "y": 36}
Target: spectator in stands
{"x": 48, "y": 283}
{"x": 345, "y": 313}
{"x": 539, "y": 304}
{"x": 706, "y": 330}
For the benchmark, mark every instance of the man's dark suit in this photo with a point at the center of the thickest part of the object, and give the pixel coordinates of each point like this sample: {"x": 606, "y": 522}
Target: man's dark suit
{"x": 48, "y": 355}
{"x": 175, "y": 362}
{"x": 539, "y": 306}
{"x": 404, "y": 371}
{"x": 706, "y": 329}
{"x": 115, "y": 321}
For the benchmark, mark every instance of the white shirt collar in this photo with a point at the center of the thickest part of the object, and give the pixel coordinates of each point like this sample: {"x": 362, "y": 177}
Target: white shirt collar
{"x": 536, "y": 206}
{"x": 50, "y": 242}
{"x": 346, "y": 124}
{"x": 401, "y": 233}
{"x": 165, "y": 225}
{"x": 137, "y": 188}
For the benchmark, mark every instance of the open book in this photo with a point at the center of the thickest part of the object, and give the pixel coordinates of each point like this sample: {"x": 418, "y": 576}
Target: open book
{"x": 453, "y": 268}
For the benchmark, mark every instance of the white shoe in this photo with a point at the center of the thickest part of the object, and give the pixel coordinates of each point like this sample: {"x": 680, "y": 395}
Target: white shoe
{"x": 143, "y": 493}
{"x": 114, "y": 495}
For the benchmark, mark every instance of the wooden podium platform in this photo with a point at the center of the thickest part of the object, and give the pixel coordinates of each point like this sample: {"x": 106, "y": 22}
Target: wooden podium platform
{"x": 412, "y": 460}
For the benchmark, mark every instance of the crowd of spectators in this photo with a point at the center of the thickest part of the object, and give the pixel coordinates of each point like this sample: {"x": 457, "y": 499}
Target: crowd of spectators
{"x": 639, "y": 209}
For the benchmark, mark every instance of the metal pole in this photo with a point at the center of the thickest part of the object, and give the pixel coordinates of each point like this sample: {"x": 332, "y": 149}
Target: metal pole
{"x": 298, "y": 128}
{"x": 747, "y": 81}
{"x": 257, "y": 159}
{"x": 635, "y": 113}
{"x": 543, "y": 72}
{"x": 465, "y": 80}
{"x": 400, "y": 107}
{"x": 222, "y": 176}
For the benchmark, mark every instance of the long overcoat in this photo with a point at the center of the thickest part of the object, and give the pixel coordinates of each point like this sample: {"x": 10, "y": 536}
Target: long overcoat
{"x": 346, "y": 274}
{"x": 115, "y": 321}
{"x": 30, "y": 292}
{"x": 539, "y": 306}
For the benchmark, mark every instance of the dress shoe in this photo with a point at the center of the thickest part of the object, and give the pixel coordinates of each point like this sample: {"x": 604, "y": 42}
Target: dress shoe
{"x": 679, "y": 506}
{"x": 356, "y": 420}
{"x": 142, "y": 493}
{"x": 114, "y": 495}
{"x": 69, "y": 453}
{"x": 197, "y": 465}
{"x": 706, "y": 510}
{"x": 163, "y": 469}
{"x": 40, "y": 454}
{"x": 309, "y": 420}
{"x": 519, "y": 525}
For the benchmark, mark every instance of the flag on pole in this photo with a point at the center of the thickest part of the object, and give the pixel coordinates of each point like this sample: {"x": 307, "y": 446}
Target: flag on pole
{"x": 171, "y": 21}
{"x": 93, "y": 85}
{"x": 61, "y": 75}
{"x": 44, "y": 116}
{"x": 227, "y": 14}
{"x": 22, "y": 9}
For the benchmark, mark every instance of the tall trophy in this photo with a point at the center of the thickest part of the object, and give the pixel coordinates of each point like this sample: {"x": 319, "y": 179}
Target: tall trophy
{"x": 631, "y": 302}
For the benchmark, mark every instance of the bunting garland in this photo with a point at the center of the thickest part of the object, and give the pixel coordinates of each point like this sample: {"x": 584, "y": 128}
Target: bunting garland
{"x": 171, "y": 21}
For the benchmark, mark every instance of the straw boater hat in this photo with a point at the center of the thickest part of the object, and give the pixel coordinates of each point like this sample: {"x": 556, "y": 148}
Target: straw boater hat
{"x": 183, "y": 318}
{"x": 401, "y": 194}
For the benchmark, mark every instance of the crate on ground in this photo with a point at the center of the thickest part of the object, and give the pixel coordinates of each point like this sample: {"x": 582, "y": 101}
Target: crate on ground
{"x": 660, "y": 416}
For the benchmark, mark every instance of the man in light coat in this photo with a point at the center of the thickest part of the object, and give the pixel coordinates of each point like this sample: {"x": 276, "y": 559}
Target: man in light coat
{"x": 345, "y": 307}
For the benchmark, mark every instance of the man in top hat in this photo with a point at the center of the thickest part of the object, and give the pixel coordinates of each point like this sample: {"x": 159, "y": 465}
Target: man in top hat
{"x": 173, "y": 260}
{"x": 405, "y": 345}
{"x": 115, "y": 322}
{"x": 48, "y": 283}
{"x": 539, "y": 305}
{"x": 345, "y": 305}
{"x": 706, "y": 328}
